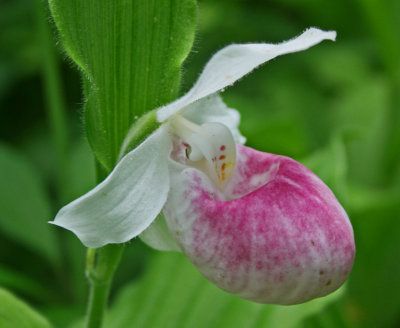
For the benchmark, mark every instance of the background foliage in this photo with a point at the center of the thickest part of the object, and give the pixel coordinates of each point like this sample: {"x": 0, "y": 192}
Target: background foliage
{"x": 335, "y": 107}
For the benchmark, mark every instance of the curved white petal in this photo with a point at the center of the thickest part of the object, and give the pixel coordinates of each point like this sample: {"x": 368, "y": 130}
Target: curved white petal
{"x": 233, "y": 62}
{"x": 127, "y": 201}
{"x": 212, "y": 109}
{"x": 219, "y": 150}
{"x": 209, "y": 147}
{"x": 158, "y": 236}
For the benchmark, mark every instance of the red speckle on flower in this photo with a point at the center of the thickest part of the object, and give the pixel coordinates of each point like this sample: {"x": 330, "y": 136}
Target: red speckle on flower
{"x": 222, "y": 157}
{"x": 222, "y": 148}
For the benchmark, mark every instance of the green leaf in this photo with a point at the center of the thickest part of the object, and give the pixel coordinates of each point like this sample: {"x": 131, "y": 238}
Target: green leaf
{"x": 374, "y": 289}
{"x": 23, "y": 284}
{"x": 364, "y": 199}
{"x": 130, "y": 53}
{"x": 332, "y": 316}
{"x": 330, "y": 164}
{"x": 173, "y": 294}
{"x": 24, "y": 206}
{"x": 15, "y": 313}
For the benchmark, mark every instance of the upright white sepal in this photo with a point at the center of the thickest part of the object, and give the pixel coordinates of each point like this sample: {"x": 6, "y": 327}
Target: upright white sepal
{"x": 127, "y": 201}
{"x": 233, "y": 62}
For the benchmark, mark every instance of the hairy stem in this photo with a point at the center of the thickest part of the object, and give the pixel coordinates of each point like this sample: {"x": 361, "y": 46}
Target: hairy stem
{"x": 101, "y": 264}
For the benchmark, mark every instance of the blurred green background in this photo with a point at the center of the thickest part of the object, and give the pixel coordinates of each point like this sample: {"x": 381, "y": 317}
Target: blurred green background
{"x": 335, "y": 107}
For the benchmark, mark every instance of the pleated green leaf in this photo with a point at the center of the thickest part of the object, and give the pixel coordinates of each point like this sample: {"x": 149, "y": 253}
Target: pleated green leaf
{"x": 15, "y": 313}
{"x": 173, "y": 294}
{"x": 130, "y": 53}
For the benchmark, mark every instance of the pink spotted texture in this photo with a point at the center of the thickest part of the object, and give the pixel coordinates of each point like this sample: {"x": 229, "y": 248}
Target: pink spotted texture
{"x": 276, "y": 234}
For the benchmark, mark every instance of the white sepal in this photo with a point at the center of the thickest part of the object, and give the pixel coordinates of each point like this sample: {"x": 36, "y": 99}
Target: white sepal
{"x": 127, "y": 201}
{"x": 233, "y": 62}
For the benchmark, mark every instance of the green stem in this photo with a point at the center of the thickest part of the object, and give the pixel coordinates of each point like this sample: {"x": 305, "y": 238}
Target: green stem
{"x": 101, "y": 263}
{"x": 100, "y": 268}
{"x": 97, "y": 304}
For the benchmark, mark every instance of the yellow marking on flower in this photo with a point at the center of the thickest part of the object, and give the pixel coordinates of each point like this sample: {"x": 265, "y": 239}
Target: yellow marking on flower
{"x": 225, "y": 172}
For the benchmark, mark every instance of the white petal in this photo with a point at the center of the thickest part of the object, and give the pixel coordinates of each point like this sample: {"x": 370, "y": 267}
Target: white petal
{"x": 158, "y": 236}
{"x": 213, "y": 109}
{"x": 211, "y": 148}
{"x": 127, "y": 201}
{"x": 233, "y": 62}
{"x": 219, "y": 150}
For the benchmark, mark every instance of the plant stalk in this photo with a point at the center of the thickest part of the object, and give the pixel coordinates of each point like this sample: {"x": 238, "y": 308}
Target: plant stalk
{"x": 101, "y": 264}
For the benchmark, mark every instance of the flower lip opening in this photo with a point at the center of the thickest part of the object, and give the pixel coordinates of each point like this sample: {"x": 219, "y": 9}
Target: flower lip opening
{"x": 248, "y": 180}
{"x": 209, "y": 148}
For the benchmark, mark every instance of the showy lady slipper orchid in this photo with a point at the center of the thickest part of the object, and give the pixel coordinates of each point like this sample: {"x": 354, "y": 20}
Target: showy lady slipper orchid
{"x": 258, "y": 225}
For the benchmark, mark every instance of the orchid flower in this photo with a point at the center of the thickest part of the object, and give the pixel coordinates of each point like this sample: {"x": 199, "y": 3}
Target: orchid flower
{"x": 258, "y": 225}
